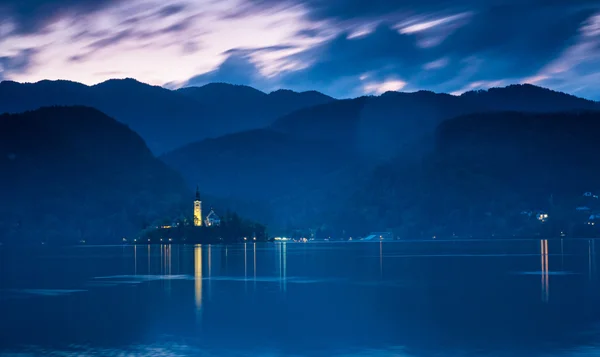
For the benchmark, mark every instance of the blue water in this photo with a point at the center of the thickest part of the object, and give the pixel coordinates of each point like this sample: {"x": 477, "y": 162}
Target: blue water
{"x": 403, "y": 299}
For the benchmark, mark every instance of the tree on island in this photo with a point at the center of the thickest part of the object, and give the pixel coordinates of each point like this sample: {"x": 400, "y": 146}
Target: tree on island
{"x": 233, "y": 228}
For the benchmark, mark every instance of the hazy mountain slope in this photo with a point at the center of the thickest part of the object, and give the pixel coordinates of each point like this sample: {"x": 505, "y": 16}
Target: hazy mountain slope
{"x": 72, "y": 173}
{"x": 486, "y": 169}
{"x": 395, "y": 122}
{"x": 280, "y": 173}
{"x": 165, "y": 119}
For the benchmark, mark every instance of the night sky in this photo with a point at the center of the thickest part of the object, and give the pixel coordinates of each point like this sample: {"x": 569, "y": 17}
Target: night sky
{"x": 343, "y": 48}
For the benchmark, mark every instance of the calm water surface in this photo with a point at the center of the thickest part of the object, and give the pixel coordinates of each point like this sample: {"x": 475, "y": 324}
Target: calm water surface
{"x": 404, "y": 299}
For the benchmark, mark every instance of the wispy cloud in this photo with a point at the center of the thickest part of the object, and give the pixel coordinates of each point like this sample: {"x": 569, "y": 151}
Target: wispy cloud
{"x": 327, "y": 45}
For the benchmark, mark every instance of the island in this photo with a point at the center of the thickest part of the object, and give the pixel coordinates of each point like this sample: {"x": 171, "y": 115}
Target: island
{"x": 199, "y": 229}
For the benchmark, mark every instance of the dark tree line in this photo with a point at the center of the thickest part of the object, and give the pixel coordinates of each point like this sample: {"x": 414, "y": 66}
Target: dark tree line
{"x": 232, "y": 228}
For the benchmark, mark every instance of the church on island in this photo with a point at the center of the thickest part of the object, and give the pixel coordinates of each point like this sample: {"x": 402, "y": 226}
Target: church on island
{"x": 212, "y": 219}
{"x": 203, "y": 228}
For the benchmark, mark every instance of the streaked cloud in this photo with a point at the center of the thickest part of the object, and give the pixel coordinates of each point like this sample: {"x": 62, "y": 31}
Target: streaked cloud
{"x": 344, "y": 48}
{"x": 431, "y": 24}
{"x": 385, "y": 86}
{"x": 439, "y": 63}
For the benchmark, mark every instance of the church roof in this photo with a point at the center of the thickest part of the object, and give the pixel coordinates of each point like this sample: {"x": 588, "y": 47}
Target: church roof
{"x": 212, "y": 215}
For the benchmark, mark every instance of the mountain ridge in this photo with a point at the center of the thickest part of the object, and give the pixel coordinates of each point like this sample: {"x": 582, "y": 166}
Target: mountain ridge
{"x": 165, "y": 118}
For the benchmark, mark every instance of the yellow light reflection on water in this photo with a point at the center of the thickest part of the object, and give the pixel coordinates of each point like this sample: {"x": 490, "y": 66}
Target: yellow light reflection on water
{"x": 284, "y": 253}
{"x": 135, "y": 260}
{"x": 380, "y": 258}
{"x": 198, "y": 276}
{"x": 545, "y": 270}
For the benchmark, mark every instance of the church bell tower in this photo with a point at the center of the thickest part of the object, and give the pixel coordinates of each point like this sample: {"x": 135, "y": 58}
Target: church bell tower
{"x": 197, "y": 209}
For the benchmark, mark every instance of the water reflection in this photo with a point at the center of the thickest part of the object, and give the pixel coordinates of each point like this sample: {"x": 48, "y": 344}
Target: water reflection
{"x": 209, "y": 272}
{"x": 166, "y": 252}
{"x": 169, "y": 259}
{"x": 380, "y": 259}
{"x": 209, "y": 260}
{"x": 198, "y": 276}
{"x": 544, "y": 270}
{"x": 223, "y": 260}
{"x": 327, "y": 287}
{"x": 562, "y": 254}
{"x": 283, "y": 266}
{"x": 254, "y": 265}
{"x": 591, "y": 258}
{"x": 245, "y": 261}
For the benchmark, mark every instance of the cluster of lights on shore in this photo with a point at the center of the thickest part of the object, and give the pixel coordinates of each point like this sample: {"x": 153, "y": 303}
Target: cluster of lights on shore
{"x": 283, "y": 239}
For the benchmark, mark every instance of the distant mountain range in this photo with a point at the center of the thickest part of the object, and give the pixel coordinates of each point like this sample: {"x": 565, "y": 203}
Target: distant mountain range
{"x": 308, "y": 159}
{"x": 385, "y": 126}
{"x": 293, "y": 159}
{"x": 166, "y": 119}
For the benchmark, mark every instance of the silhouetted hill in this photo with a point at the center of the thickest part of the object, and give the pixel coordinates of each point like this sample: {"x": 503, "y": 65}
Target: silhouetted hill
{"x": 384, "y": 126}
{"x": 272, "y": 176}
{"x": 312, "y": 96}
{"x": 526, "y": 98}
{"x": 73, "y": 173}
{"x": 485, "y": 171}
{"x": 165, "y": 119}
{"x": 223, "y": 93}
{"x": 534, "y": 153}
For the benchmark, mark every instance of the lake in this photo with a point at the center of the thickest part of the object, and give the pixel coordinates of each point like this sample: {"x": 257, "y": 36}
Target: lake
{"x": 403, "y": 299}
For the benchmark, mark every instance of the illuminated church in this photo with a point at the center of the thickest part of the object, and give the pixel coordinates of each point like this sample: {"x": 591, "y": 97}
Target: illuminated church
{"x": 211, "y": 219}
{"x": 197, "y": 209}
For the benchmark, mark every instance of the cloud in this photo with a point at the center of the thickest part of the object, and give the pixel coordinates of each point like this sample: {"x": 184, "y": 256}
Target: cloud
{"x": 382, "y": 53}
{"x": 310, "y": 33}
{"x": 18, "y": 63}
{"x": 341, "y": 47}
{"x": 255, "y": 50}
{"x": 155, "y": 41}
{"x": 111, "y": 40}
{"x": 385, "y": 86}
{"x": 34, "y": 15}
{"x": 387, "y": 10}
{"x": 439, "y": 63}
{"x": 171, "y": 9}
{"x": 236, "y": 69}
{"x": 576, "y": 70}
{"x": 431, "y": 45}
